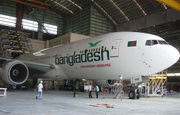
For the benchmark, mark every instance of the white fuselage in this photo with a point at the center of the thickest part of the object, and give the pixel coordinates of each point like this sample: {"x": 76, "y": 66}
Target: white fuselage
{"x": 107, "y": 57}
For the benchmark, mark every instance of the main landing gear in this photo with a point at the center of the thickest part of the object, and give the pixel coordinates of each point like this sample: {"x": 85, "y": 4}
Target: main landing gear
{"x": 134, "y": 93}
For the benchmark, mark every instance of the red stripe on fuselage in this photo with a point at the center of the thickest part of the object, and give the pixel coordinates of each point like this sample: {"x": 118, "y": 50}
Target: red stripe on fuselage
{"x": 93, "y": 66}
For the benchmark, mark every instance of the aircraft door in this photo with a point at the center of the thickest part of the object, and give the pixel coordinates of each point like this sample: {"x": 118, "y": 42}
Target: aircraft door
{"x": 114, "y": 52}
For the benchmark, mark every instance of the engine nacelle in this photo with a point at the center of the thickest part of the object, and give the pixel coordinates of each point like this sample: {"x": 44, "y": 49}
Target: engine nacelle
{"x": 14, "y": 72}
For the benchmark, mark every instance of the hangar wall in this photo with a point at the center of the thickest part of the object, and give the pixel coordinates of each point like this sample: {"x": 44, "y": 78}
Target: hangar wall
{"x": 99, "y": 24}
{"x": 7, "y": 8}
{"x": 158, "y": 18}
{"x": 38, "y": 44}
{"x": 89, "y": 22}
{"x": 34, "y": 14}
{"x": 78, "y": 23}
{"x": 67, "y": 38}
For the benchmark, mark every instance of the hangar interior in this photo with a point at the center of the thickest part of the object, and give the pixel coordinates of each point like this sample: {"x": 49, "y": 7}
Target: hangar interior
{"x": 42, "y": 24}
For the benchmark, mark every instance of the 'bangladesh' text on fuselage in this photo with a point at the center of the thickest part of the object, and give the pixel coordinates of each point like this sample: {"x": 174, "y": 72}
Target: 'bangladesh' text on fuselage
{"x": 101, "y": 55}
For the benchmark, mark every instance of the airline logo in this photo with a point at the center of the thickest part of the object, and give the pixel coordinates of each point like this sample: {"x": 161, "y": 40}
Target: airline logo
{"x": 86, "y": 56}
{"x": 132, "y": 43}
{"x": 94, "y": 44}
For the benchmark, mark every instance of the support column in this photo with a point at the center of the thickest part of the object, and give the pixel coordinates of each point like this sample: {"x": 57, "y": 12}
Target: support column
{"x": 19, "y": 16}
{"x": 40, "y": 32}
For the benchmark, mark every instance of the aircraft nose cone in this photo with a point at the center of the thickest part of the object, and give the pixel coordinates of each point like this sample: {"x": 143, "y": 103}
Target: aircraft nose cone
{"x": 175, "y": 54}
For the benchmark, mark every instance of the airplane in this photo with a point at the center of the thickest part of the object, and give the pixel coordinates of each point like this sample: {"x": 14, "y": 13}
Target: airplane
{"x": 130, "y": 55}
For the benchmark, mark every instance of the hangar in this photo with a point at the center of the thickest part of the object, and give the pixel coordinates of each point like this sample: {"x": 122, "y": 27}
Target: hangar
{"x": 34, "y": 25}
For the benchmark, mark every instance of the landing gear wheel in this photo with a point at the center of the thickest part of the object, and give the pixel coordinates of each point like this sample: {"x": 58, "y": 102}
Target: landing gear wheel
{"x": 132, "y": 95}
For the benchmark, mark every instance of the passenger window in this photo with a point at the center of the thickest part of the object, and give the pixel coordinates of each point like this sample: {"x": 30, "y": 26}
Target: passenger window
{"x": 148, "y": 42}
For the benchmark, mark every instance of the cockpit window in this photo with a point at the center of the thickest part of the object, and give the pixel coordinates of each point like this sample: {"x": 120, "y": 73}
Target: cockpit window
{"x": 148, "y": 42}
{"x": 151, "y": 42}
{"x": 154, "y": 42}
{"x": 162, "y": 42}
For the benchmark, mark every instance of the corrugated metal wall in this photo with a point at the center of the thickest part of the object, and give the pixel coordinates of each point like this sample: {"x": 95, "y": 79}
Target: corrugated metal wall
{"x": 7, "y": 8}
{"x": 78, "y": 23}
{"x": 99, "y": 24}
{"x": 89, "y": 21}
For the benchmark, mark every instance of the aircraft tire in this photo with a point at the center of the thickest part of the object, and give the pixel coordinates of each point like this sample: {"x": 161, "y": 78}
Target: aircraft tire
{"x": 132, "y": 94}
{"x": 138, "y": 96}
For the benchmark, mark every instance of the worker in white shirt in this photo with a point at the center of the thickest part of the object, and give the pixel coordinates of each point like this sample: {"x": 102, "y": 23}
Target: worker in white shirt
{"x": 39, "y": 90}
{"x": 90, "y": 90}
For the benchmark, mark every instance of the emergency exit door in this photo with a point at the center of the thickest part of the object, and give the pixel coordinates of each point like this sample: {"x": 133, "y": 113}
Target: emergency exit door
{"x": 115, "y": 48}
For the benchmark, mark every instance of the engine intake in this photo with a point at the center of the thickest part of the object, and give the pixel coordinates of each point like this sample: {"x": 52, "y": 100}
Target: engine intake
{"x": 15, "y": 73}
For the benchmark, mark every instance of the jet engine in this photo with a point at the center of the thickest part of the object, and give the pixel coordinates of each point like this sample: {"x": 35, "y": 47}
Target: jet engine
{"x": 14, "y": 72}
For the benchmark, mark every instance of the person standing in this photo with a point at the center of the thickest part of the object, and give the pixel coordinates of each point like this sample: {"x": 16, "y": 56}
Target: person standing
{"x": 40, "y": 90}
{"x": 90, "y": 90}
{"x": 97, "y": 90}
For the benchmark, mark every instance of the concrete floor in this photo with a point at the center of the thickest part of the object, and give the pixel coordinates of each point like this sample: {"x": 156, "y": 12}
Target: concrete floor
{"x": 62, "y": 103}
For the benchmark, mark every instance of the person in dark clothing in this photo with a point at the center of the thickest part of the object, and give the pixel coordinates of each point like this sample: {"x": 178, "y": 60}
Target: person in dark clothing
{"x": 97, "y": 90}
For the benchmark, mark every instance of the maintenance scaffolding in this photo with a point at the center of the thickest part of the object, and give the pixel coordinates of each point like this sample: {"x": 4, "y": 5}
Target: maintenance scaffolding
{"x": 156, "y": 85}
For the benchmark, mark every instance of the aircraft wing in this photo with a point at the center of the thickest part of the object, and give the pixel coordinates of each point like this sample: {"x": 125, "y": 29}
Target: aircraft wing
{"x": 39, "y": 66}
{"x": 4, "y": 60}
{"x": 31, "y": 65}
